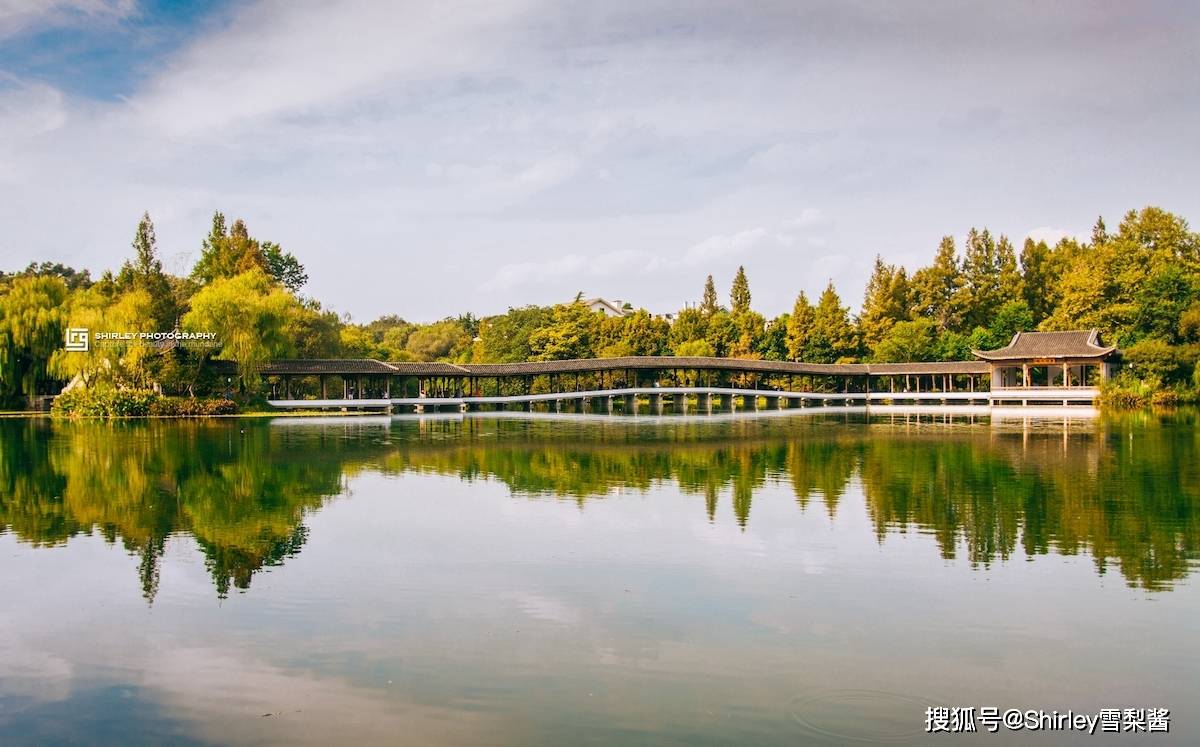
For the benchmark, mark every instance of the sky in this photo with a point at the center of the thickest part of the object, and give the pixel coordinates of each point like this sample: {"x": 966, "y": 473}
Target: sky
{"x": 426, "y": 159}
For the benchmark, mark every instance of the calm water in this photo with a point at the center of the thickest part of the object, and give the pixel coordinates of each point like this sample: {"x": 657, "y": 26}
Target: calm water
{"x": 795, "y": 579}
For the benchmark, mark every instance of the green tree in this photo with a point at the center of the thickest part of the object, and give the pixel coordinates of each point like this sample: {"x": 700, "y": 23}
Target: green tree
{"x": 708, "y": 304}
{"x": 505, "y": 338}
{"x": 249, "y": 314}
{"x": 908, "y": 341}
{"x": 144, "y": 272}
{"x": 645, "y": 335}
{"x": 832, "y": 339}
{"x": 571, "y": 334}
{"x": 690, "y": 324}
{"x": 442, "y": 340}
{"x": 227, "y": 252}
{"x": 887, "y": 301}
{"x": 1037, "y": 280}
{"x": 937, "y": 289}
{"x": 739, "y": 294}
{"x": 800, "y": 328}
{"x": 31, "y": 329}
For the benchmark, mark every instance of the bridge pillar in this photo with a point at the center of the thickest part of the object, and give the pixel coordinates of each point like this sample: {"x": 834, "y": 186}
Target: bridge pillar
{"x": 679, "y": 401}
{"x": 608, "y": 404}
{"x": 704, "y": 402}
{"x": 630, "y": 404}
{"x": 656, "y": 404}
{"x": 772, "y": 402}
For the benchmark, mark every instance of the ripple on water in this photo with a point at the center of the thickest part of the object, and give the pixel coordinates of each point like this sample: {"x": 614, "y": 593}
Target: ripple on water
{"x": 863, "y": 715}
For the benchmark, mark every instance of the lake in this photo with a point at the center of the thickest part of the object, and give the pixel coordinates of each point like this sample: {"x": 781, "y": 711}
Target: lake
{"x": 780, "y": 578}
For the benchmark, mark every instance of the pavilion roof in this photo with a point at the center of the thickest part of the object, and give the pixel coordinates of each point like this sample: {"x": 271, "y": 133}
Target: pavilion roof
{"x": 1084, "y": 343}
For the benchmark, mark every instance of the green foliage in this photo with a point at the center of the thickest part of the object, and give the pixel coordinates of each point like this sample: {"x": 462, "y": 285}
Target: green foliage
{"x": 32, "y": 324}
{"x": 937, "y": 290}
{"x": 886, "y": 302}
{"x": 909, "y": 341}
{"x": 229, "y": 252}
{"x": 192, "y": 407}
{"x": 571, "y": 334}
{"x": 444, "y": 340}
{"x": 832, "y": 338}
{"x": 105, "y": 402}
{"x": 739, "y": 294}
{"x": 698, "y": 348}
{"x": 249, "y": 314}
{"x": 799, "y": 328}
{"x": 708, "y": 303}
{"x": 1154, "y": 360}
{"x": 505, "y": 338}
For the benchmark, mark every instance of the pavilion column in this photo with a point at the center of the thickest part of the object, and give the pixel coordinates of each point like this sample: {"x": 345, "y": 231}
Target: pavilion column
{"x": 1025, "y": 374}
{"x": 324, "y": 388}
{"x": 1066, "y": 377}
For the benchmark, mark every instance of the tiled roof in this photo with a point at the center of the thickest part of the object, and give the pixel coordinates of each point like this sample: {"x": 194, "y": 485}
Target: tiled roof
{"x": 361, "y": 366}
{"x": 1083, "y": 343}
{"x": 308, "y": 366}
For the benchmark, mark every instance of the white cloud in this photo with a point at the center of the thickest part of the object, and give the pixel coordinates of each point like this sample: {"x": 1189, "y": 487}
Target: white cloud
{"x": 277, "y": 58}
{"x": 574, "y": 266}
{"x": 723, "y": 246}
{"x": 18, "y": 15}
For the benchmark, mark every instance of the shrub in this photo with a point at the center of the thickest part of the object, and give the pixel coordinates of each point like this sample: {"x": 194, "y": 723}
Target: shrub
{"x": 1124, "y": 392}
{"x": 104, "y": 403}
{"x": 1165, "y": 398}
{"x": 186, "y": 407}
{"x": 117, "y": 403}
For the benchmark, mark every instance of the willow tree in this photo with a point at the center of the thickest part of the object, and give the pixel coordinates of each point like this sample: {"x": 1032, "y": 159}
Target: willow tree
{"x": 249, "y": 314}
{"x": 31, "y": 329}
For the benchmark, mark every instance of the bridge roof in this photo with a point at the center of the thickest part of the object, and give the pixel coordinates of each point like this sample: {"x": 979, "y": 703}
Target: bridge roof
{"x": 367, "y": 366}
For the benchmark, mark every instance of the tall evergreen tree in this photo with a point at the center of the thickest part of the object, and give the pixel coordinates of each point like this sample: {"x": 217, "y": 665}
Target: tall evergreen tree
{"x": 937, "y": 289}
{"x": 799, "y": 328}
{"x": 739, "y": 294}
{"x": 144, "y": 272}
{"x": 832, "y": 338}
{"x": 886, "y": 302}
{"x": 1036, "y": 279}
{"x": 708, "y": 304}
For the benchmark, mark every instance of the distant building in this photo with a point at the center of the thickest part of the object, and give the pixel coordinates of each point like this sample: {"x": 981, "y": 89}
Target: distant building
{"x": 608, "y": 308}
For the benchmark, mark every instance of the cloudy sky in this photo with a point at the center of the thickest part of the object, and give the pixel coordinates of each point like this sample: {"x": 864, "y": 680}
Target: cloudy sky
{"x": 424, "y": 158}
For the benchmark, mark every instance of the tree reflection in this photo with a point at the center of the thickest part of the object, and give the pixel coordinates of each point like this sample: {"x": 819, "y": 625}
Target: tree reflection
{"x": 1122, "y": 490}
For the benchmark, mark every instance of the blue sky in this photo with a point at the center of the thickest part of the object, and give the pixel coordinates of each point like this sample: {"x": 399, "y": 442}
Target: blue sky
{"x": 428, "y": 158}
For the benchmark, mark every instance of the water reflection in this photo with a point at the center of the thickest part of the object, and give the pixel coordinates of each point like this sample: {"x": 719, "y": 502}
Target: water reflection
{"x": 1123, "y": 491}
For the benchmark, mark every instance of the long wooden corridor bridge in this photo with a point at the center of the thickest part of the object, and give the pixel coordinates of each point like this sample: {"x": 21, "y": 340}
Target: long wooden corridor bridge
{"x": 659, "y": 383}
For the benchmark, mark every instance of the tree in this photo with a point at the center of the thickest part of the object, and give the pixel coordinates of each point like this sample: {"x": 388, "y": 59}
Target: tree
{"x": 773, "y": 344}
{"x": 438, "y": 341}
{"x": 908, "y": 341}
{"x": 145, "y": 273}
{"x": 284, "y": 267}
{"x": 832, "y": 339}
{"x": 645, "y": 335}
{"x": 225, "y": 253}
{"x": 31, "y": 329}
{"x": 690, "y": 324}
{"x": 694, "y": 348}
{"x": 249, "y": 313}
{"x": 571, "y": 334}
{"x": 990, "y": 277}
{"x": 739, "y": 294}
{"x": 1036, "y": 279}
{"x": 937, "y": 289}
{"x": 799, "y": 328}
{"x": 708, "y": 304}
{"x": 505, "y": 338}
{"x": 886, "y": 302}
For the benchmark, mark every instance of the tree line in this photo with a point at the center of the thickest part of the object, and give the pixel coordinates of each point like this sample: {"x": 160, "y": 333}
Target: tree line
{"x": 1139, "y": 285}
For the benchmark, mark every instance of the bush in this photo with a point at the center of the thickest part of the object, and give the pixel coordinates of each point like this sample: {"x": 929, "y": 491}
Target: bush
{"x": 104, "y": 403}
{"x": 119, "y": 403}
{"x": 1165, "y": 398}
{"x": 189, "y": 407}
{"x": 1124, "y": 392}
